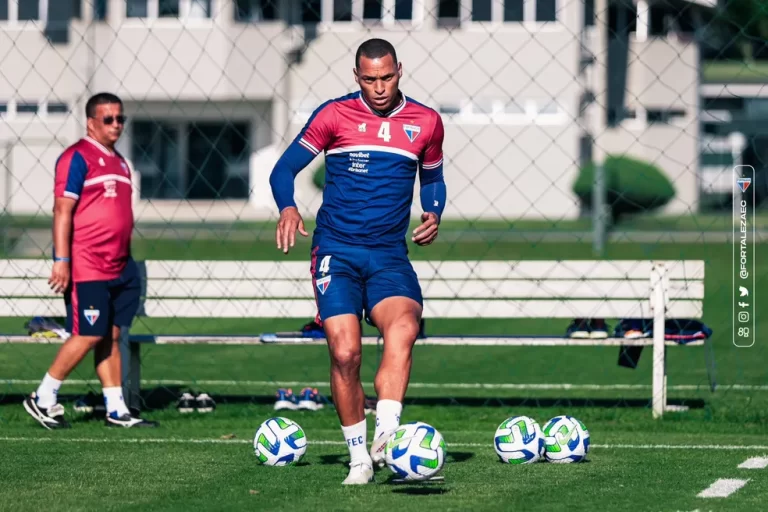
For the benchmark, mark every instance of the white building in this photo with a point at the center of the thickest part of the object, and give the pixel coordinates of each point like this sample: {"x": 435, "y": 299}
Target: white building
{"x": 214, "y": 89}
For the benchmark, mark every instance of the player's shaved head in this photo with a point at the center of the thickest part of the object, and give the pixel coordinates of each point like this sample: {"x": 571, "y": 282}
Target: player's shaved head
{"x": 378, "y": 73}
{"x": 375, "y": 49}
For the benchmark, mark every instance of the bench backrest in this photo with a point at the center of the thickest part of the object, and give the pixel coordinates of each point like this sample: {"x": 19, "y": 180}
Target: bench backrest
{"x": 452, "y": 289}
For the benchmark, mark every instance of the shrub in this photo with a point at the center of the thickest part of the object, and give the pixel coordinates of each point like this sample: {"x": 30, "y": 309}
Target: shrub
{"x": 632, "y": 186}
{"x": 318, "y": 178}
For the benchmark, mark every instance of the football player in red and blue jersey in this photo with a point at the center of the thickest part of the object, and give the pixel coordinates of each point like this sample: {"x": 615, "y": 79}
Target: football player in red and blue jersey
{"x": 92, "y": 264}
{"x": 376, "y": 141}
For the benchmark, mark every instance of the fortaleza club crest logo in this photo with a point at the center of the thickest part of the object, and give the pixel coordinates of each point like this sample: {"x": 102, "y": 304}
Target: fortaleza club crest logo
{"x": 411, "y": 131}
{"x": 322, "y": 284}
{"x": 91, "y": 315}
{"x": 744, "y": 183}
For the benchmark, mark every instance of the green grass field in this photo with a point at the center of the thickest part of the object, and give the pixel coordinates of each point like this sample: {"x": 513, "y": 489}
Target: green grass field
{"x": 206, "y": 461}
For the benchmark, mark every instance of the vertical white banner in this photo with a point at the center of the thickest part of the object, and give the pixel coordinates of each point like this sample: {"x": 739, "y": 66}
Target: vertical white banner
{"x": 744, "y": 289}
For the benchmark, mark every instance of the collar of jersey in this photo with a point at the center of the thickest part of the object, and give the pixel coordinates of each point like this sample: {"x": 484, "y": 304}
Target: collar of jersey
{"x": 379, "y": 113}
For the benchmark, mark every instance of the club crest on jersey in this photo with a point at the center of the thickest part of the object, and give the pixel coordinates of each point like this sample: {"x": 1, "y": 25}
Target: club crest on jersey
{"x": 411, "y": 131}
{"x": 91, "y": 315}
{"x": 322, "y": 284}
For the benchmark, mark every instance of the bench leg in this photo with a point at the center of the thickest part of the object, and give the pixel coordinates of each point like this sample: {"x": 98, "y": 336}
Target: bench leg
{"x": 658, "y": 301}
{"x": 130, "y": 355}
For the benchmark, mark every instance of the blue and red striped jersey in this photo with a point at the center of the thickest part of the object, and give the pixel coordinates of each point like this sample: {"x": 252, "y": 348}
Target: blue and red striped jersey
{"x": 371, "y": 163}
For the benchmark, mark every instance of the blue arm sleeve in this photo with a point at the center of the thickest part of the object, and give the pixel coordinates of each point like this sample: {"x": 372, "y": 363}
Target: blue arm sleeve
{"x": 433, "y": 192}
{"x": 290, "y": 164}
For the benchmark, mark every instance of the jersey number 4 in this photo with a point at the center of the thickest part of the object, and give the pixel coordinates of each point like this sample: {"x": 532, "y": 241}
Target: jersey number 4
{"x": 384, "y": 131}
{"x": 325, "y": 264}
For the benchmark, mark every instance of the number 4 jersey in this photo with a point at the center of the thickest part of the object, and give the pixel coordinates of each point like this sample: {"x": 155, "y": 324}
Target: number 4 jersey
{"x": 371, "y": 163}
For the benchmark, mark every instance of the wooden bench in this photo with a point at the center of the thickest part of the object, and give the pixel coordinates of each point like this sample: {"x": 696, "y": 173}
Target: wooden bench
{"x": 452, "y": 289}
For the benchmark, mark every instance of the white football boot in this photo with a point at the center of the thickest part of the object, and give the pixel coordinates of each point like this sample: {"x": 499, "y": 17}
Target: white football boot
{"x": 360, "y": 473}
{"x": 377, "y": 448}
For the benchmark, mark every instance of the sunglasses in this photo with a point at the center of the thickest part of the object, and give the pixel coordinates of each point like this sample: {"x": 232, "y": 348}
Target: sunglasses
{"x": 111, "y": 119}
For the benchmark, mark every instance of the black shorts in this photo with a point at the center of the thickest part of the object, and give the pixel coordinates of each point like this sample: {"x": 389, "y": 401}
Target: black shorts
{"x": 93, "y": 307}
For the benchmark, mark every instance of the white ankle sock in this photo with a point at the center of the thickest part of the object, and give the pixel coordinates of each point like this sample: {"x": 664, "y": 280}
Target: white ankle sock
{"x": 113, "y": 399}
{"x": 47, "y": 391}
{"x": 387, "y": 416}
{"x": 355, "y": 436}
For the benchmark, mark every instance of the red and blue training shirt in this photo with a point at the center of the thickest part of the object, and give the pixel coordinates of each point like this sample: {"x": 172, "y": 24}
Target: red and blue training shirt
{"x": 371, "y": 163}
{"x": 102, "y": 221}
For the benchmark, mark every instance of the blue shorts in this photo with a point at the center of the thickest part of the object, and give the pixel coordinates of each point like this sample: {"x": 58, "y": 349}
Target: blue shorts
{"x": 352, "y": 280}
{"x": 93, "y": 307}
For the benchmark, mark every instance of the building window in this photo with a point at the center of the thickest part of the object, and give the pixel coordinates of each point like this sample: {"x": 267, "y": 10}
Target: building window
{"x": 482, "y": 10}
{"x": 546, "y": 10}
{"x": 136, "y": 9}
{"x": 27, "y": 108}
{"x": 372, "y": 9}
{"x": 342, "y": 10}
{"x": 14, "y": 11}
{"x": 504, "y": 112}
{"x": 311, "y": 11}
{"x": 256, "y": 10}
{"x": 58, "y": 108}
{"x": 203, "y": 160}
{"x": 514, "y": 10}
{"x": 503, "y": 11}
{"x": 183, "y": 9}
{"x": 664, "y": 116}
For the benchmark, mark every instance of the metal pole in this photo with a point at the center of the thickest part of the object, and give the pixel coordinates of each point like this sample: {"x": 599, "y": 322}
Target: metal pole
{"x": 598, "y": 210}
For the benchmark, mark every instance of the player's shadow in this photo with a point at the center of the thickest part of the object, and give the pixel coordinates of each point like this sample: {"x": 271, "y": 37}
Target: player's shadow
{"x": 421, "y": 491}
{"x": 453, "y": 457}
{"x": 331, "y": 460}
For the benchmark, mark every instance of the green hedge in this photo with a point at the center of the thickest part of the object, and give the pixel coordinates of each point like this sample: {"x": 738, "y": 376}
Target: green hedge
{"x": 632, "y": 186}
{"x": 318, "y": 178}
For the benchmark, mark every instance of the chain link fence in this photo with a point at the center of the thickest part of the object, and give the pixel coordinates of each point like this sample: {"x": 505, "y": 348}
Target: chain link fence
{"x": 597, "y": 131}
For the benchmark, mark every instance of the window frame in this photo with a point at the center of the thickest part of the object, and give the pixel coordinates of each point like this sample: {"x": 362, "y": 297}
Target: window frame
{"x": 386, "y": 21}
{"x": 153, "y": 17}
{"x": 497, "y": 23}
{"x": 13, "y": 21}
{"x": 530, "y": 115}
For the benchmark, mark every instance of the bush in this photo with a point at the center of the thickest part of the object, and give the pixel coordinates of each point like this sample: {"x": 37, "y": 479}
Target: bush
{"x": 632, "y": 186}
{"x": 318, "y": 178}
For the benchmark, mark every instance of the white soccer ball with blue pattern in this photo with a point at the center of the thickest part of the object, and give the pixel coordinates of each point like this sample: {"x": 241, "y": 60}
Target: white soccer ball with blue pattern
{"x": 415, "y": 451}
{"x": 566, "y": 440}
{"x": 279, "y": 442}
{"x": 519, "y": 440}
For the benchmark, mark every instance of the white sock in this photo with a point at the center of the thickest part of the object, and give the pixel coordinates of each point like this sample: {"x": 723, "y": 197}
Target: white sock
{"x": 47, "y": 391}
{"x": 387, "y": 416}
{"x": 355, "y": 436}
{"x": 113, "y": 399}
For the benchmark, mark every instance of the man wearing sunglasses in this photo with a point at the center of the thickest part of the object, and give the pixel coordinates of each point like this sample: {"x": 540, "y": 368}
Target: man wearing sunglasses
{"x": 93, "y": 268}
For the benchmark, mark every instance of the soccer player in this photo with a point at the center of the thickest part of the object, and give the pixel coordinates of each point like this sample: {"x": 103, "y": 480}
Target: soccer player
{"x": 92, "y": 264}
{"x": 375, "y": 141}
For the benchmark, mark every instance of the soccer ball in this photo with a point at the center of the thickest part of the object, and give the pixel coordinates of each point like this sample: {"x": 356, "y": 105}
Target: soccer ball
{"x": 415, "y": 451}
{"x": 519, "y": 440}
{"x": 566, "y": 440}
{"x": 279, "y": 442}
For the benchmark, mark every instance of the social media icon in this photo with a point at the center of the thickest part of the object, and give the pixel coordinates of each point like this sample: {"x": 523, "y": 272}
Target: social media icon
{"x": 743, "y": 304}
{"x": 743, "y": 316}
{"x": 743, "y": 292}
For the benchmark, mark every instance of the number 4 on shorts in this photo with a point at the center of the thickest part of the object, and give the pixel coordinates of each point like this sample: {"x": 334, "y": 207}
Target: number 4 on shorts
{"x": 325, "y": 264}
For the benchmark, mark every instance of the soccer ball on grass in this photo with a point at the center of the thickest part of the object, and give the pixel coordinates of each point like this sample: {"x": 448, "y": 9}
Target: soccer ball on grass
{"x": 415, "y": 451}
{"x": 566, "y": 440}
{"x": 519, "y": 440}
{"x": 279, "y": 442}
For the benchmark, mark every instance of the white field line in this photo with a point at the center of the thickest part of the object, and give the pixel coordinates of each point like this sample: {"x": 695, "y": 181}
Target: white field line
{"x": 412, "y": 385}
{"x": 722, "y": 488}
{"x": 754, "y": 463}
{"x": 175, "y": 440}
